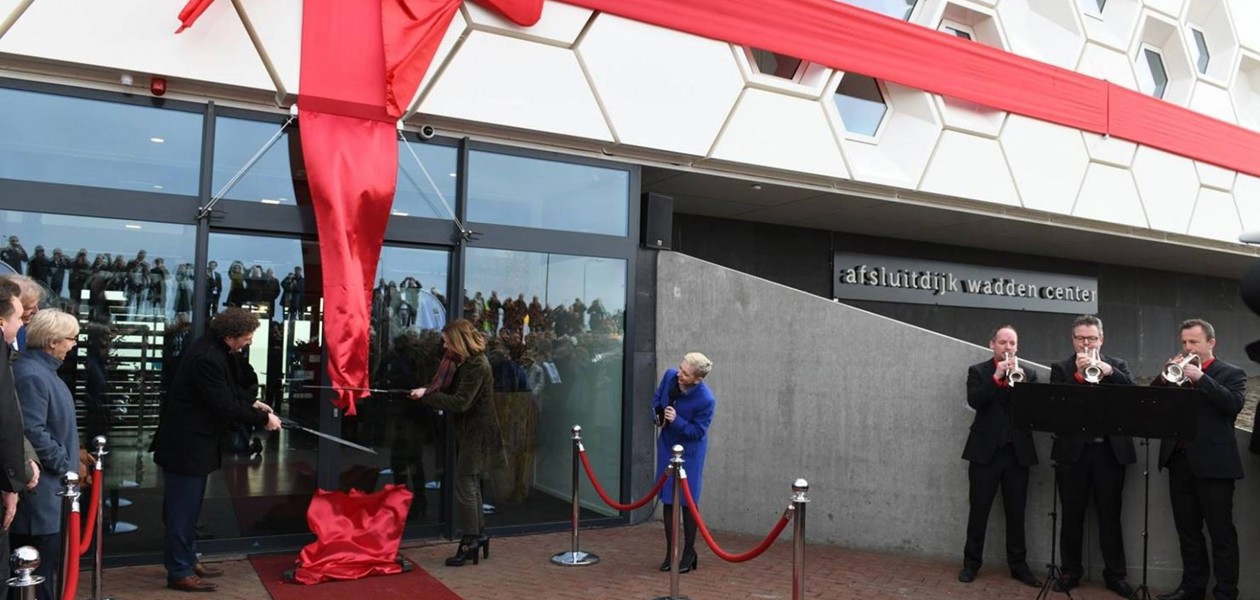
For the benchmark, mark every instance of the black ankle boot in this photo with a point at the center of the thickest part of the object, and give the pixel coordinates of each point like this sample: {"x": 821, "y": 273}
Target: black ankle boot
{"x": 469, "y": 549}
{"x": 484, "y": 540}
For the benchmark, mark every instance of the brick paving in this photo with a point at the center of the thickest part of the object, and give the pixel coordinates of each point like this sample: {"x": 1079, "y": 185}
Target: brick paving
{"x": 519, "y": 568}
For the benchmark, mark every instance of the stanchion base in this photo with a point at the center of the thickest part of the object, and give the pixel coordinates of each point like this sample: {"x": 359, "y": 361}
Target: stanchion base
{"x": 670, "y": 598}
{"x": 574, "y": 559}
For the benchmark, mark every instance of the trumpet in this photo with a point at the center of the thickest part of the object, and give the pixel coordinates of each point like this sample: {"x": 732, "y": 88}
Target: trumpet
{"x": 1175, "y": 370}
{"x": 1013, "y": 374}
{"x": 1093, "y": 372}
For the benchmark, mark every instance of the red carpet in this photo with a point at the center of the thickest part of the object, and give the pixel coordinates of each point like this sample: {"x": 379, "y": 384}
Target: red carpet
{"x": 414, "y": 584}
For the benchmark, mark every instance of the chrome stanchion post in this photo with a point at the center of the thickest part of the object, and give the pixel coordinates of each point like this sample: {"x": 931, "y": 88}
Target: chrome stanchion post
{"x": 574, "y": 557}
{"x": 24, "y": 562}
{"x": 98, "y": 479}
{"x": 70, "y": 504}
{"x": 799, "y": 488}
{"x": 675, "y": 525}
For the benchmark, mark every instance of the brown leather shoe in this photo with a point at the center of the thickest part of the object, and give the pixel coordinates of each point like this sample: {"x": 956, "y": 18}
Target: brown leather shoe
{"x": 203, "y": 571}
{"x": 192, "y": 583}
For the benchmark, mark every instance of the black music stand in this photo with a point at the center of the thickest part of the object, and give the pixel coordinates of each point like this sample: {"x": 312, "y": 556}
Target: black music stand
{"x": 1163, "y": 412}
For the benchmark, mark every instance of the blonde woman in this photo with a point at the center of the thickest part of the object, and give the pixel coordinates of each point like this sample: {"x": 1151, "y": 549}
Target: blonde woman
{"x": 463, "y": 386}
{"x": 48, "y": 420}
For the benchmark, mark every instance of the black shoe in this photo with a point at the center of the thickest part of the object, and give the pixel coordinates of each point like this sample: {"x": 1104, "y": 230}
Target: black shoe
{"x": 687, "y": 566}
{"x": 1120, "y": 587}
{"x": 1026, "y": 578}
{"x": 967, "y": 575}
{"x": 1183, "y": 594}
{"x": 484, "y": 540}
{"x": 1065, "y": 584}
{"x": 469, "y": 549}
{"x": 665, "y": 566}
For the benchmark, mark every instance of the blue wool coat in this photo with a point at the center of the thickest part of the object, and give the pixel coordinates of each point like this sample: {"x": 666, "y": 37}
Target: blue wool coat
{"x": 48, "y": 417}
{"x": 690, "y": 429}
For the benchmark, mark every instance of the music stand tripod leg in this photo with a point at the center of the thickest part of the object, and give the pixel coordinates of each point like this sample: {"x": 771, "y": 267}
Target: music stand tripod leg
{"x": 1052, "y": 568}
{"x": 1143, "y": 592}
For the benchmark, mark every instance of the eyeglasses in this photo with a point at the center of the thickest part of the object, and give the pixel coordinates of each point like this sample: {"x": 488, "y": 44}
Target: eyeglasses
{"x": 1086, "y": 338}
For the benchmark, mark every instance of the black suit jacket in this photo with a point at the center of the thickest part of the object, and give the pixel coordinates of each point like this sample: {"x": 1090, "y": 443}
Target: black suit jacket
{"x": 13, "y": 470}
{"x": 1068, "y": 447}
{"x": 992, "y": 404}
{"x": 205, "y": 398}
{"x": 1214, "y": 451}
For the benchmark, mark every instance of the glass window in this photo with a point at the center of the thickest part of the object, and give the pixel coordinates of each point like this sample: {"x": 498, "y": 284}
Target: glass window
{"x": 1202, "y": 56}
{"x": 426, "y": 180}
{"x": 1152, "y": 77}
{"x": 860, "y": 103}
{"x": 532, "y": 192}
{"x": 125, "y": 281}
{"x": 776, "y": 65}
{"x": 409, "y": 310}
{"x": 957, "y": 31}
{"x": 893, "y": 8}
{"x": 557, "y": 348}
{"x": 270, "y": 179}
{"x": 60, "y": 139}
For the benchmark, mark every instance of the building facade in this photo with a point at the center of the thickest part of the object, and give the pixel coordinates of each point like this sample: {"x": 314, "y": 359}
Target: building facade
{"x": 146, "y": 212}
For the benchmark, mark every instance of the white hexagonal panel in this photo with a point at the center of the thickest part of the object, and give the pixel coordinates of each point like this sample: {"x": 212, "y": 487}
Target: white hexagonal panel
{"x": 456, "y": 31}
{"x": 1046, "y": 30}
{"x": 1215, "y": 216}
{"x": 1247, "y": 199}
{"x": 1246, "y": 90}
{"x": 560, "y": 23}
{"x": 1109, "y": 150}
{"x": 1215, "y": 177}
{"x": 514, "y": 83}
{"x": 1245, "y": 14}
{"x": 1162, "y": 35}
{"x": 1113, "y": 27}
{"x": 1171, "y": 8}
{"x": 905, "y": 141}
{"x": 1212, "y": 101}
{"x": 1047, "y": 161}
{"x": 980, "y": 24}
{"x": 809, "y": 80}
{"x": 1110, "y": 195}
{"x": 1168, "y": 185}
{"x": 1211, "y": 40}
{"x": 661, "y": 88}
{"x": 279, "y": 28}
{"x": 970, "y": 166}
{"x": 140, "y": 39}
{"x": 781, "y": 132}
{"x": 1108, "y": 65}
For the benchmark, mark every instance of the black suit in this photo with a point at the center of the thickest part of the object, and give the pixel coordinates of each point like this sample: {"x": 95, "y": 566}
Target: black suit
{"x": 1201, "y": 478}
{"x": 1000, "y": 456}
{"x": 13, "y": 475}
{"x": 205, "y": 399}
{"x": 1092, "y": 466}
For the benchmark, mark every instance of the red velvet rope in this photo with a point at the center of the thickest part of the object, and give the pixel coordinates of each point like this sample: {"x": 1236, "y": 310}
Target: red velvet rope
{"x": 586, "y": 463}
{"x": 72, "y": 559}
{"x": 94, "y": 505}
{"x": 751, "y": 554}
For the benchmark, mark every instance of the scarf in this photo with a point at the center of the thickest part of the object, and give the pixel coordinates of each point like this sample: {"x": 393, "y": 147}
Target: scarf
{"x": 445, "y": 372}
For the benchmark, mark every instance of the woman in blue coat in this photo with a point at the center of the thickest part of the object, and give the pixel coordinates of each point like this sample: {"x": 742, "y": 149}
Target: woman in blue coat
{"x": 48, "y": 417}
{"x": 683, "y": 407}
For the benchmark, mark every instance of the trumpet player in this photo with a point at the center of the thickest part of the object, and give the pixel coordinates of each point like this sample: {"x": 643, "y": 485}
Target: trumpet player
{"x": 999, "y": 456}
{"x": 1091, "y": 465}
{"x": 1201, "y": 473}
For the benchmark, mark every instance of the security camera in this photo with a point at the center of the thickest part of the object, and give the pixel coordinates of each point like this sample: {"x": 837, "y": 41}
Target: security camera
{"x": 427, "y": 132}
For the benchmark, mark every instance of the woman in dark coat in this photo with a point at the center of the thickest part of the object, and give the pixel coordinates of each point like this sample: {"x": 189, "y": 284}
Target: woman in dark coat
{"x": 48, "y": 419}
{"x": 683, "y": 406}
{"x": 464, "y": 386}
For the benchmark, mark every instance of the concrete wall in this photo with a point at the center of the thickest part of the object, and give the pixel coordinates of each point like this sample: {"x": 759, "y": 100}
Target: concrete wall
{"x": 871, "y": 411}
